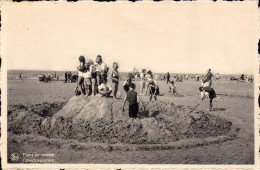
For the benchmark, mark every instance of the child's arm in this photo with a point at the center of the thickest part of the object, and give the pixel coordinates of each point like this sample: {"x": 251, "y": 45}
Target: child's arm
{"x": 124, "y": 104}
{"x": 138, "y": 98}
{"x": 124, "y": 83}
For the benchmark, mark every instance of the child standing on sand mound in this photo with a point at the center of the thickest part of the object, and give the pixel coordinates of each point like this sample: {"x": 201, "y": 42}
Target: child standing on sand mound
{"x": 115, "y": 79}
{"x": 132, "y": 97}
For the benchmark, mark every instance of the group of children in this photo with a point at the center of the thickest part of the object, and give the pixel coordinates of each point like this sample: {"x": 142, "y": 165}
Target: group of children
{"x": 91, "y": 75}
{"x": 92, "y": 79}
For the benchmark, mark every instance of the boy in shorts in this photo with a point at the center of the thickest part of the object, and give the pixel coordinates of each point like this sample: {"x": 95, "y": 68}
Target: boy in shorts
{"x": 207, "y": 92}
{"x": 132, "y": 97}
{"x": 115, "y": 79}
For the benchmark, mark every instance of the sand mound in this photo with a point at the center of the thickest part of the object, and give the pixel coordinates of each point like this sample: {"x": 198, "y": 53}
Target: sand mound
{"x": 99, "y": 119}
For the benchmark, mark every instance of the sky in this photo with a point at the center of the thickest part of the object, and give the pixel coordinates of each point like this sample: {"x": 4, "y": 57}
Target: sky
{"x": 174, "y": 37}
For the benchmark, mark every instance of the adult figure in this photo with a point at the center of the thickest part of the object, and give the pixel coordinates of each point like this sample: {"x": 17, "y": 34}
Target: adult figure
{"x": 168, "y": 77}
{"x": 197, "y": 77}
{"x": 20, "y": 76}
{"x": 66, "y": 77}
{"x": 208, "y": 78}
{"x": 70, "y": 76}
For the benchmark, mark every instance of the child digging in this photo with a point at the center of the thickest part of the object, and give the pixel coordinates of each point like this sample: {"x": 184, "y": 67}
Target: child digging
{"x": 132, "y": 97}
{"x": 172, "y": 87}
{"x": 153, "y": 89}
{"x": 210, "y": 92}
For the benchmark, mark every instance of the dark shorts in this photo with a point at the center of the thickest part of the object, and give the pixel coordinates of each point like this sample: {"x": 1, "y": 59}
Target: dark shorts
{"x": 126, "y": 88}
{"x": 103, "y": 78}
{"x": 153, "y": 90}
{"x": 98, "y": 73}
{"x": 93, "y": 75}
{"x": 133, "y": 110}
{"x": 211, "y": 91}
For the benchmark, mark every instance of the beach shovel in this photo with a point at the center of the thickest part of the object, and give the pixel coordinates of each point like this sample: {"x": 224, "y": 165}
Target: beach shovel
{"x": 194, "y": 107}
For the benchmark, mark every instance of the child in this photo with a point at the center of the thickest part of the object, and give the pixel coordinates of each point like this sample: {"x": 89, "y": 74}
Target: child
{"x": 207, "y": 91}
{"x": 153, "y": 89}
{"x": 81, "y": 69}
{"x": 148, "y": 76}
{"x": 127, "y": 83}
{"x": 115, "y": 79}
{"x": 132, "y": 97}
{"x": 87, "y": 79}
{"x": 142, "y": 80}
{"x": 172, "y": 87}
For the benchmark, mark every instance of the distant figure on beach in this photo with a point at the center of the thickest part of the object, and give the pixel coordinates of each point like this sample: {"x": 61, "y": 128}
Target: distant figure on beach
{"x": 133, "y": 99}
{"x": 242, "y": 77}
{"x": 40, "y": 77}
{"x": 66, "y": 77}
{"x": 197, "y": 77}
{"x": 168, "y": 77}
{"x": 49, "y": 78}
{"x": 20, "y": 77}
{"x": 208, "y": 78}
{"x": 69, "y": 76}
{"x": 217, "y": 76}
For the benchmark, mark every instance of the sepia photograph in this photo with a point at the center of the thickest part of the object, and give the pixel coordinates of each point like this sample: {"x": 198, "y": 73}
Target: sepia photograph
{"x": 130, "y": 83}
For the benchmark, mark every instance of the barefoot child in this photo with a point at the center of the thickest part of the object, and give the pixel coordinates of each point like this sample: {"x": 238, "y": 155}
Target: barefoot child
{"x": 172, "y": 87}
{"x": 115, "y": 79}
{"x": 87, "y": 78}
{"x": 81, "y": 69}
{"x": 132, "y": 97}
{"x": 153, "y": 89}
{"x": 207, "y": 91}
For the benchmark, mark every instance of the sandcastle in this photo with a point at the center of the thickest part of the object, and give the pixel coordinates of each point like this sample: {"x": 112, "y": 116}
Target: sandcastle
{"x": 100, "y": 119}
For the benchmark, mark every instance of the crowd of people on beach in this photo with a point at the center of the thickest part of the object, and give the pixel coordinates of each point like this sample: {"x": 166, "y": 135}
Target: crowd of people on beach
{"x": 48, "y": 78}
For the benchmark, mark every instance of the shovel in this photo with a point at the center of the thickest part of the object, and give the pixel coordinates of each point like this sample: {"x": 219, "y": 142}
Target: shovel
{"x": 194, "y": 107}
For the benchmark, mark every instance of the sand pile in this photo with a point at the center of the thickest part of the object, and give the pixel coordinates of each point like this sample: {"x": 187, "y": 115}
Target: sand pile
{"x": 98, "y": 119}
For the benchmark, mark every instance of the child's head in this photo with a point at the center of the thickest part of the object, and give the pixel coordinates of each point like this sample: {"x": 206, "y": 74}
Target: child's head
{"x": 172, "y": 82}
{"x": 115, "y": 65}
{"x": 143, "y": 70}
{"x": 81, "y": 59}
{"x": 132, "y": 86}
{"x": 99, "y": 59}
{"x": 129, "y": 79}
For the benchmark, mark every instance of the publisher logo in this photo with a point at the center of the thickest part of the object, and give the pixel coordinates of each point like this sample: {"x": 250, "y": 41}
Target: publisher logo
{"x": 14, "y": 157}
